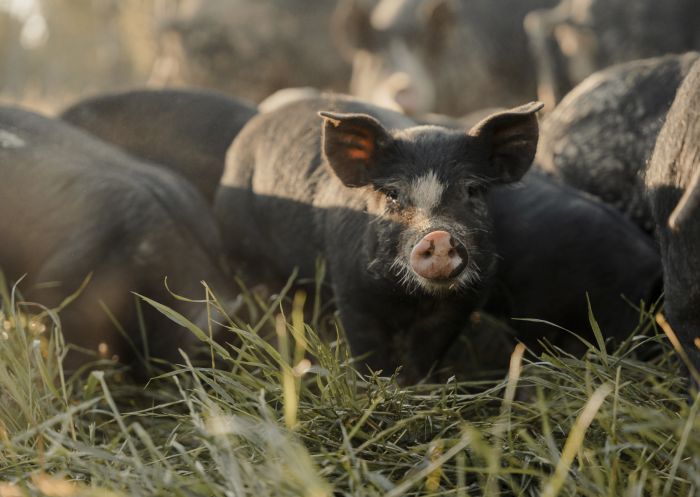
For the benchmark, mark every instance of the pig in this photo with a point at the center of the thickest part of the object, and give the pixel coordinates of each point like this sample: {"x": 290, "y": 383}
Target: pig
{"x": 599, "y": 137}
{"x": 397, "y": 210}
{"x": 438, "y": 56}
{"x": 579, "y": 37}
{"x": 76, "y": 209}
{"x": 251, "y": 49}
{"x": 188, "y": 131}
{"x": 556, "y": 246}
{"x": 672, "y": 182}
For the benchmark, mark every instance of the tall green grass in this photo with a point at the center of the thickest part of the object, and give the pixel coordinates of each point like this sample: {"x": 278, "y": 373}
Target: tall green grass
{"x": 291, "y": 416}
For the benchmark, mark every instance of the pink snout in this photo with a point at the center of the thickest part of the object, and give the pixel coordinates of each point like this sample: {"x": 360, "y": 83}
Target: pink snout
{"x": 436, "y": 257}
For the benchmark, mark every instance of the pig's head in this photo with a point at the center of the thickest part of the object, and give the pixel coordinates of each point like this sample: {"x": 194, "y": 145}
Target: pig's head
{"x": 394, "y": 47}
{"x": 425, "y": 187}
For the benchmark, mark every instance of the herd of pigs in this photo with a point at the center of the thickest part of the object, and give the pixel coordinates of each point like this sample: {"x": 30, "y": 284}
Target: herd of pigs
{"x": 427, "y": 199}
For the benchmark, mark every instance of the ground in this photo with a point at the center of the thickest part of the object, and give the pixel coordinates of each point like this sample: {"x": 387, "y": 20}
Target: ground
{"x": 291, "y": 417}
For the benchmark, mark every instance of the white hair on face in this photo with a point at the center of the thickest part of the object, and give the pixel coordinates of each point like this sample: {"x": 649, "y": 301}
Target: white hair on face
{"x": 426, "y": 192}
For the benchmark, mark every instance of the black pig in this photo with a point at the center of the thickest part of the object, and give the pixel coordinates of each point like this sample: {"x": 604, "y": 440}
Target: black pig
{"x": 187, "y": 131}
{"x": 601, "y": 135}
{"x": 73, "y": 205}
{"x": 578, "y": 37}
{"x": 398, "y": 211}
{"x": 673, "y": 188}
{"x": 555, "y": 246}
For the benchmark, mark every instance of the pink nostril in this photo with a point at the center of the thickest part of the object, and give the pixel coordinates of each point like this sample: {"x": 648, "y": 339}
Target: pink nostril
{"x": 435, "y": 257}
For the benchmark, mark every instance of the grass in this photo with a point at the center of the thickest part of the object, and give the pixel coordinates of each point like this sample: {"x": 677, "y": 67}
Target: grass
{"x": 292, "y": 417}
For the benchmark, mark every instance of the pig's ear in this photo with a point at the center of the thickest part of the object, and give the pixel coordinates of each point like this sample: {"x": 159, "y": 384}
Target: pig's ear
{"x": 511, "y": 138}
{"x": 350, "y": 143}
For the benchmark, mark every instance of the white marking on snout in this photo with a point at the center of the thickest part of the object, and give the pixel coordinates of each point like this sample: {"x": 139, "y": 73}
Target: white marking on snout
{"x": 10, "y": 140}
{"x": 426, "y": 192}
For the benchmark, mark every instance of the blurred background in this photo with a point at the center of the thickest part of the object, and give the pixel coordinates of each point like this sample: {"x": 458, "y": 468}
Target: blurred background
{"x": 448, "y": 57}
{"x": 55, "y": 51}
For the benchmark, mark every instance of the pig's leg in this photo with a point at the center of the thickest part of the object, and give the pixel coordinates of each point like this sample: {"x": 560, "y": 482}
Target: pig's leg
{"x": 367, "y": 337}
{"x": 426, "y": 343}
{"x": 416, "y": 344}
{"x": 424, "y": 350}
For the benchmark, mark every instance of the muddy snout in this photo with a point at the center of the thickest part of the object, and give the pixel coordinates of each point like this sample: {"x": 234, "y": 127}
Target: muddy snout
{"x": 438, "y": 256}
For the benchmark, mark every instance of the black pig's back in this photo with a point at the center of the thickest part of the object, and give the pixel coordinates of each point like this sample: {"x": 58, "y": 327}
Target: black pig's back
{"x": 275, "y": 178}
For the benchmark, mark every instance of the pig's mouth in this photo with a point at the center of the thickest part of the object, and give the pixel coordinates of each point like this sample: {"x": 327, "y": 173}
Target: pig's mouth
{"x": 414, "y": 283}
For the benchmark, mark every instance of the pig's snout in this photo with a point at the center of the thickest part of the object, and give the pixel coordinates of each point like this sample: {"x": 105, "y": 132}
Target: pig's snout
{"x": 438, "y": 256}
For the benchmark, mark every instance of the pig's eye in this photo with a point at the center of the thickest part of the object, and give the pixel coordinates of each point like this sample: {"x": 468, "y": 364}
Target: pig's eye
{"x": 474, "y": 190}
{"x": 392, "y": 198}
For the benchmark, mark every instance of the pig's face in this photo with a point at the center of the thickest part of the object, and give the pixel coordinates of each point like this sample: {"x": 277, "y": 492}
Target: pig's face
{"x": 431, "y": 230}
{"x": 425, "y": 191}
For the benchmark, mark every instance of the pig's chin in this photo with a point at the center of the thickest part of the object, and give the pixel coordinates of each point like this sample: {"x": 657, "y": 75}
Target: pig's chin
{"x": 443, "y": 287}
{"x": 447, "y": 286}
